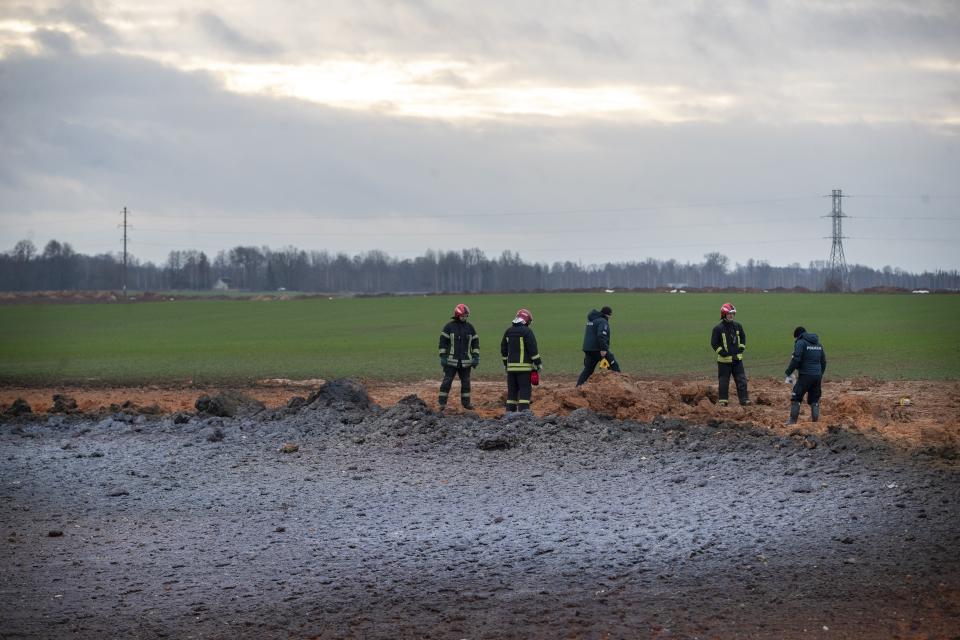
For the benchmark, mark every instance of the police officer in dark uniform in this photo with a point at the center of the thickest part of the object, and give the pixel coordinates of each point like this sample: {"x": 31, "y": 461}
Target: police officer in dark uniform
{"x": 810, "y": 361}
{"x": 596, "y": 343}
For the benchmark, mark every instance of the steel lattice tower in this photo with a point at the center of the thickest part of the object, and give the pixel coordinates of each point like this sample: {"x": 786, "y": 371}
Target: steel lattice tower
{"x": 837, "y": 272}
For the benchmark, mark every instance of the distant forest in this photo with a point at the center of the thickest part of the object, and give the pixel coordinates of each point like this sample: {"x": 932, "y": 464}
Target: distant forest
{"x": 59, "y": 267}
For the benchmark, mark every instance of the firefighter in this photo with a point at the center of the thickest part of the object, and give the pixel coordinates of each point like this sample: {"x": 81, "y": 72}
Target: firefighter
{"x": 520, "y": 358}
{"x": 729, "y": 341}
{"x": 810, "y": 362}
{"x": 596, "y": 343}
{"x": 459, "y": 353}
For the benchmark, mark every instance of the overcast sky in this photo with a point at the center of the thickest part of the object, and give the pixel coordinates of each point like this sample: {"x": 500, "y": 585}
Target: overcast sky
{"x": 563, "y": 130}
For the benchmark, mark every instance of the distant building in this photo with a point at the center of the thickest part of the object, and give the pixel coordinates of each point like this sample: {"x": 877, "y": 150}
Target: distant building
{"x": 222, "y": 284}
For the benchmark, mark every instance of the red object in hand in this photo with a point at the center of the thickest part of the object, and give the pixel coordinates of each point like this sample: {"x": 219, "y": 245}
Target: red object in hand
{"x": 534, "y": 377}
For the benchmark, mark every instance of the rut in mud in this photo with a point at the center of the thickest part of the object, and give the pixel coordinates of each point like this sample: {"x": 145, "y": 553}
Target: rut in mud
{"x": 337, "y": 518}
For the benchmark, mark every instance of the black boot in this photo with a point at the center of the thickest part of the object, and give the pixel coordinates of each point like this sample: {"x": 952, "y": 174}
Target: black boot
{"x": 815, "y": 411}
{"x": 794, "y": 412}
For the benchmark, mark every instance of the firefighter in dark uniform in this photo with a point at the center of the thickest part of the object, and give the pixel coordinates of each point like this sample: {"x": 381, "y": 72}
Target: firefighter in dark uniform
{"x": 729, "y": 341}
{"x": 596, "y": 343}
{"x": 459, "y": 352}
{"x": 810, "y": 362}
{"x": 520, "y": 358}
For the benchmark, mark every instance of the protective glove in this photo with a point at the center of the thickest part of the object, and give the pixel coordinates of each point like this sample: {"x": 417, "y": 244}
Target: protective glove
{"x": 476, "y": 361}
{"x": 788, "y": 380}
{"x": 443, "y": 362}
{"x": 742, "y": 348}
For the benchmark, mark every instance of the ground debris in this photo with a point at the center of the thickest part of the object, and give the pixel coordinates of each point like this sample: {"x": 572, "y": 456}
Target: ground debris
{"x": 228, "y": 404}
{"x": 18, "y": 407}
{"x": 63, "y": 404}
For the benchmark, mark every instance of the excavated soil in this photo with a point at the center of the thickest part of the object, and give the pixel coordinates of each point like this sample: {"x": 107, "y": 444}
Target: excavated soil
{"x": 930, "y": 416}
{"x": 335, "y": 517}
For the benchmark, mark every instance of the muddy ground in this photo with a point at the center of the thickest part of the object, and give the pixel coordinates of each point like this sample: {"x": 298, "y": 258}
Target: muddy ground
{"x": 337, "y": 518}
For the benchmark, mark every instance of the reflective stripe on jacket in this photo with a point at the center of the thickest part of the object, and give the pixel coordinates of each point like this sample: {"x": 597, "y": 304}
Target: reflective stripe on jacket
{"x": 519, "y": 349}
{"x": 729, "y": 341}
{"x": 459, "y": 343}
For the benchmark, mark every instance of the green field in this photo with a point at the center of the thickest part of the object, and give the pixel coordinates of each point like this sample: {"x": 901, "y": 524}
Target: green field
{"x": 882, "y": 336}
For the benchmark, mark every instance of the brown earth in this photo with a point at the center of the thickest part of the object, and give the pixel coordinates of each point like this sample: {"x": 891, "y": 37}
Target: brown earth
{"x": 929, "y": 415}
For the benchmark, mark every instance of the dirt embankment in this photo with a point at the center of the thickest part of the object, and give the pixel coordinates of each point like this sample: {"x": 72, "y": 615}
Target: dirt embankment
{"x": 911, "y": 413}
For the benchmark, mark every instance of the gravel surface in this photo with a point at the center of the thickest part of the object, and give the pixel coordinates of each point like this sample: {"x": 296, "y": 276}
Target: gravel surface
{"x": 335, "y": 518}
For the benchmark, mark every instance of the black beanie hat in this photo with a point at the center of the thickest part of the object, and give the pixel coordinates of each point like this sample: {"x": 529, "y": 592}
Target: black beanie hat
{"x": 799, "y": 331}
{"x": 607, "y": 311}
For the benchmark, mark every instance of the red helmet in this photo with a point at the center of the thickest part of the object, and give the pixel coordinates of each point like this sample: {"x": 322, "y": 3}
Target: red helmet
{"x": 461, "y": 311}
{"x": 727, "y": 308}
{"x": 524, "y": 315}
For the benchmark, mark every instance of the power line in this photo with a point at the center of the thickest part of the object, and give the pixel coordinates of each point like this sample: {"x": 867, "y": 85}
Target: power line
{"x": 792, "y": 220}
{"x": 533, "y": 212}
{"x": 707, "y": 244}
{"x": 899, "y": 239}
{"x": 464, "y": 214}
{"x": 951, "y": 219}
{"x": 924, "y": 197}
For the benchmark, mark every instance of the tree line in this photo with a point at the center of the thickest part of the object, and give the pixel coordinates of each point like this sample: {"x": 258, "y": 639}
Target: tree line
{"x": 59, "y": 267}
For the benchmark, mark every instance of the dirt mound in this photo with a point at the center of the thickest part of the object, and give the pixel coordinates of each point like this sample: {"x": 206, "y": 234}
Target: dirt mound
{"x": 228, "y": 404}
{"x": 18, "y": 407}
{"x": 63, "y": 404}
{"x": 341, "y": 393}
{"x": 856, "y": 409}
{"x": 624, "y": 397}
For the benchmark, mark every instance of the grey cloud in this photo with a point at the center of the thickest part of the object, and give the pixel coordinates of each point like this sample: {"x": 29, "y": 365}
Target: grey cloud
{"x": 53, "y": 40}
{"x": 225, "y": 35}
{"x": 90, "y": 134}
{"x": 84, "y": 17}
{"x": 445, "y": 78}
{"x": 916, "y": 28}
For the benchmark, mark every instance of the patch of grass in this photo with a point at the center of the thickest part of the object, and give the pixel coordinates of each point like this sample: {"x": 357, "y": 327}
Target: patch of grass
{"x": 883, "y": 336}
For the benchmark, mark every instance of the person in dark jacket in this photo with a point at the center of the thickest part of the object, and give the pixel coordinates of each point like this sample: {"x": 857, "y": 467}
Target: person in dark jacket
{"x": 729, "y": 342}
{"x": 596, "y": 343}
{"x": 459, "y": 353}
{"x": 521, "y": 357}
{"x": 810, "y": 362}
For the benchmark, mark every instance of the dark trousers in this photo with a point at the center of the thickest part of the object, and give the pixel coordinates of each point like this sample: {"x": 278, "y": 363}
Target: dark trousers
{"x": 518, "y": 390}
{"x": 806, "y": 385}
{"x": 590, "y": 361}
{"x": 448, "y": 374}
{"x": 724, "y": 370}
